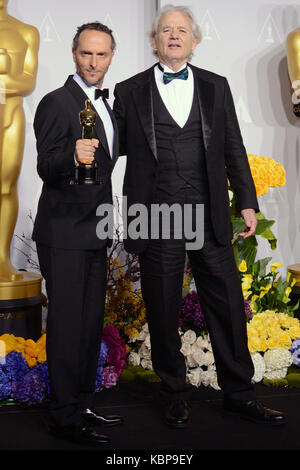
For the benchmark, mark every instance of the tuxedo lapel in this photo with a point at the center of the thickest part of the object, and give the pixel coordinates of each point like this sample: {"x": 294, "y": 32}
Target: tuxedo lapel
{"x": 206, "y": 97}
{"x": 143, "y": 97}
{"x": 79, "y": 95}
{"x": 116, "y": 132}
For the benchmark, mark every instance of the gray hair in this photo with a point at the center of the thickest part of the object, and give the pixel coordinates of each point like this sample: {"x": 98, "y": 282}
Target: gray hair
{"x": 182, "y": 9}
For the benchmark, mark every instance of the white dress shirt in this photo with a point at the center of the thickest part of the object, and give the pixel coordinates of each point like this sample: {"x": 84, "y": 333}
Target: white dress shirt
{"x": 176, "y": 95}
{"x": 101, "y": 110}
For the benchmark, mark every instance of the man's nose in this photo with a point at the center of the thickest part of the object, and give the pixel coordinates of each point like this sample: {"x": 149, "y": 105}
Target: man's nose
{"x": 174, "y": 33}
{"x": 93, "y": 61}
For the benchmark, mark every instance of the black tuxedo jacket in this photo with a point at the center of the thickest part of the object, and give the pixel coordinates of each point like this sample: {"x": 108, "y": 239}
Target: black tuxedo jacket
{"x": 224, "y": 150}
{"x": 66, "y": 216}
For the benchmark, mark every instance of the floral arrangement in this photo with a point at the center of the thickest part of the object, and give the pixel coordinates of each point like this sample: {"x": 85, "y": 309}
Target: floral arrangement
{"x": 125, "y": 308}
{"x": 266, "y": 173}
{"x": 274, "y": 344}
{"x": 264, "y": 289}
{"x": 272, "y": 330}
{"x": 24, "y": 371}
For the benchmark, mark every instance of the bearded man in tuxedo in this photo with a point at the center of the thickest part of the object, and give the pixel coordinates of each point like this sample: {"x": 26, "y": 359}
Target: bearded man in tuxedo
{"x": 179, "y": 130}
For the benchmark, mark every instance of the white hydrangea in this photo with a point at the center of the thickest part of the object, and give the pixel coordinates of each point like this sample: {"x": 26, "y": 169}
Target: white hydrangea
{"x": 277, "y": 359}
{"x": 259, "y": 367}
{"x": 276, "y": 373}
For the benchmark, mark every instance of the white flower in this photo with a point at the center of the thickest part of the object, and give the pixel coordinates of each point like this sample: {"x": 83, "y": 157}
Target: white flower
{"x": 186, "y": 349}
{"x": 230, "y": 195}
{"x": 210, "y": 379}
{"x": 147, "y": 341}
{"x": 194, "y": 376}
{"x": 276, "y": 373}
{"x": 259, "y": 367}
{"x": 134, "y": 359}
{"x": 144, "y": 351}
{"x": 204, "y": 343}
{"x": 146, "y": 363}
{"x": 277, "y": 359}
{"x": 189, "y": 337}
{"x": 143, "y": 333}
{"x": 201, "y": 357}
{"x": 190, "y": 361}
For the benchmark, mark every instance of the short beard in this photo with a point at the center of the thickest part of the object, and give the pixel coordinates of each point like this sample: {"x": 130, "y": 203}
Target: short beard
{"x": 84, "y": 80}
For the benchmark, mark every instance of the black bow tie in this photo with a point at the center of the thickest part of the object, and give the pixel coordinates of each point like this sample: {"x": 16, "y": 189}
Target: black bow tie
{"x": 104, "y": 93}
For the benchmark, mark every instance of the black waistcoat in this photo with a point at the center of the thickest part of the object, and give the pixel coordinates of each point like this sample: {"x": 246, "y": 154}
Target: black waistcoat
{"x": 180, "y": 150}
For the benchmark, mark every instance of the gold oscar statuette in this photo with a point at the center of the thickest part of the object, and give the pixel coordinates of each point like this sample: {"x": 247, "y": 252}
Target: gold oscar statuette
{"x": 293, "y": 59}
{"x": 87, "y": 173}
{"x": 18, "y": 67}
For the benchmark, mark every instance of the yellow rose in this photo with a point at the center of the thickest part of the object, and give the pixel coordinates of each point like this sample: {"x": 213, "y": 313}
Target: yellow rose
{"x": 294, "y": 332}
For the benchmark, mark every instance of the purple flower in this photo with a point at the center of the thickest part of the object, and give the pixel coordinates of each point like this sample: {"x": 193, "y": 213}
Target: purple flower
{"x": 296, "y": 357}
{"x": 101, "y": 361}
{"x": 15, "y": 366}
{"x": 295, "y": 351}
{"x": 116, "y": 355}
{"x": 191, "y": 316}
{"x": 248, "y": 311}
{"x": 295, "y": 345}
{"x": 31, "y": 388}
{"x": 110, "y": 377}
{"x": 5, "y": 385}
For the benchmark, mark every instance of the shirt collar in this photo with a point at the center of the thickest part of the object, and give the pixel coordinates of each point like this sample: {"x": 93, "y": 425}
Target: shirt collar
{"x": 167, "y": 69}
{"x": 89, "y": 90}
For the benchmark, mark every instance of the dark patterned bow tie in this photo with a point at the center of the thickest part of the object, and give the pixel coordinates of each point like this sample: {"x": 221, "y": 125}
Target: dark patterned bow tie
{"x": 104, "y": 93}
{"x": 168, "y": 76}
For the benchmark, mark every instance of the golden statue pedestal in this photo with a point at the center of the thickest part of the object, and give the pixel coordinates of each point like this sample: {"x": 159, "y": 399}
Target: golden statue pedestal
{"x": 21, "y": 304}
{"x": 294, "y": 269}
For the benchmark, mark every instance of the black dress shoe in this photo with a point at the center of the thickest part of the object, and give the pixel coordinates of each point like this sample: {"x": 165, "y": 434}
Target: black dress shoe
{"x": 254, "y": 411}
{"x": 78, "y": 435}
{"x": 93, "y": 417}
{"x": 176, "y": 414}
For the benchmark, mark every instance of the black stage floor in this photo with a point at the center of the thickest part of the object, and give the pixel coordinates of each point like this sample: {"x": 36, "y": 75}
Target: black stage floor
{"x": 23, "y": 428}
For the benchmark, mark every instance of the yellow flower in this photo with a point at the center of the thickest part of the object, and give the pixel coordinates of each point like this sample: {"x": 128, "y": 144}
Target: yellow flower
{"x": 243, "y": 266}
{"x": 42, "y": 356}
{"x": 287, "y": 292}
{"x": 274, "y": 266}
{"x": 264, "y": 290}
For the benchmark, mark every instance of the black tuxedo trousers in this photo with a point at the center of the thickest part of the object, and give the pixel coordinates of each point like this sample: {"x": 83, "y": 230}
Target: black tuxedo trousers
{"x": 221, "y": 300}
{"x": 75, "y": 283}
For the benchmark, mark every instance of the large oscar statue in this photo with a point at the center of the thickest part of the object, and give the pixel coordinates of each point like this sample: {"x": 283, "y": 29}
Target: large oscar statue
{"x": 293, "y": 59}
{"x": 20, "y": 291}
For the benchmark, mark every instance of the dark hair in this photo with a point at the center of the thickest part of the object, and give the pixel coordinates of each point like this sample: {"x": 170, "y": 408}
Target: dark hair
{"x": 95, "y": 26}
